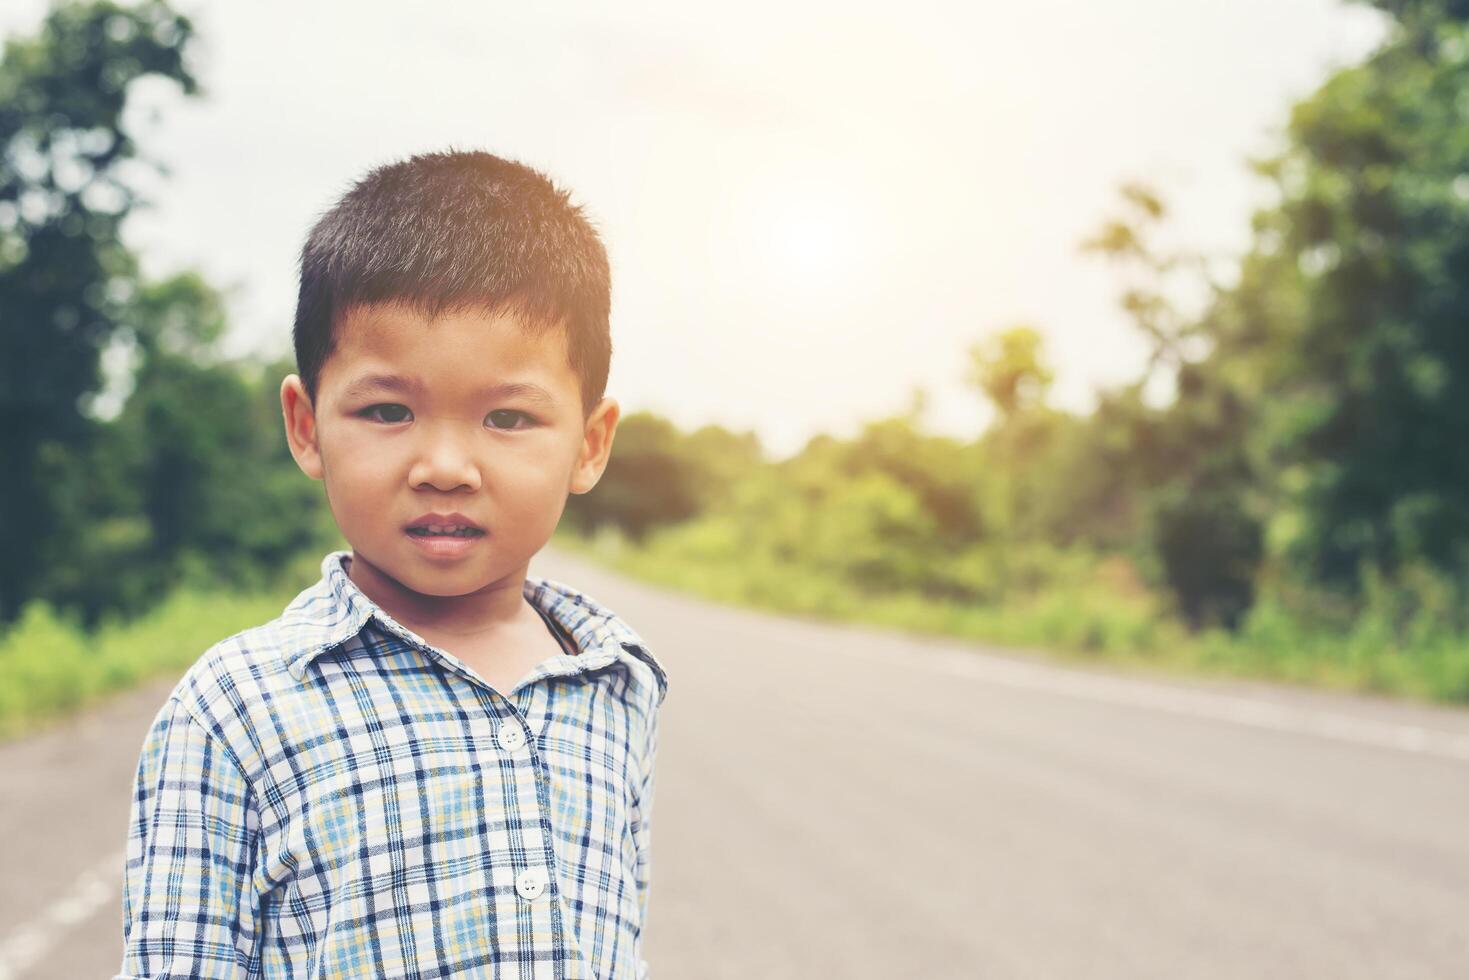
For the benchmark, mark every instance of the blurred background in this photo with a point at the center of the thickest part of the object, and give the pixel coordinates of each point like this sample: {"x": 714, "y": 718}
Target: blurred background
{"x": 1126, "y": 342}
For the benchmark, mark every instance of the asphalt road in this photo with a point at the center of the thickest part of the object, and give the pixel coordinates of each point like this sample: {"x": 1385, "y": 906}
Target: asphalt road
{"x": 834, "y": 802}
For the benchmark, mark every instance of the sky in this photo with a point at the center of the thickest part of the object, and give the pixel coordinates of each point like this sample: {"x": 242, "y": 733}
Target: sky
{"x": 811, "y": 209}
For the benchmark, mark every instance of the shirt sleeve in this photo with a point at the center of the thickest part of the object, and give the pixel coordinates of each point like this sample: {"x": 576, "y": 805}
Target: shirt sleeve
{"x": 189, "y": 907}
{"x": 642, "y": 831}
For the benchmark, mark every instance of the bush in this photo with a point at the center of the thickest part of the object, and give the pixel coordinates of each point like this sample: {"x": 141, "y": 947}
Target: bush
{"x": 50, "y": 664}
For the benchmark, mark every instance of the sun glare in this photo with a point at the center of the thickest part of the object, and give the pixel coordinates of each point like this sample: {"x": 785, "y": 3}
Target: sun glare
{"x": 804, "y": 241}
{"x": 812, "y": 238}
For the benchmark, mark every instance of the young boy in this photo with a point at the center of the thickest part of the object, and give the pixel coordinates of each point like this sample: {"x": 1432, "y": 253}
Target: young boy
{"x": 431, "y": 764}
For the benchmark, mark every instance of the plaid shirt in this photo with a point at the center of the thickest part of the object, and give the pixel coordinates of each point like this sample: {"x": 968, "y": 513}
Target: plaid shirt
{"x": 328, "y": 795}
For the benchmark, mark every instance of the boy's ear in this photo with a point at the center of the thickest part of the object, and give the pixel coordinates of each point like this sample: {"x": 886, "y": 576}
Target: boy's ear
{"x": 596, "y": 446}
{"x": 300, "y": 418}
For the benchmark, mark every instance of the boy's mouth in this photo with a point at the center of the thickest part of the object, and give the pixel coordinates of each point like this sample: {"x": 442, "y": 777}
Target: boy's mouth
{"x": 436, "y": 532}
{"x": 436, "y": 525}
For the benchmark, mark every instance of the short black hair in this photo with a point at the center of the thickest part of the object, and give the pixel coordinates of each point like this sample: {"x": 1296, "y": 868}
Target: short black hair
{"x": 455, "y": 230}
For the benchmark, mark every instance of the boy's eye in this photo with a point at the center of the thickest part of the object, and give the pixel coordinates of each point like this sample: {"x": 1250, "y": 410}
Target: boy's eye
{"x": 505, "y": 418}
{"x": 386, "y": 412}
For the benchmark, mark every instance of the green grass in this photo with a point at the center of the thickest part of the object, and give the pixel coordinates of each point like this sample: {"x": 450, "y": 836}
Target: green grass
{"x": 1095, "y": 620}
{"x": 50, "y": 665}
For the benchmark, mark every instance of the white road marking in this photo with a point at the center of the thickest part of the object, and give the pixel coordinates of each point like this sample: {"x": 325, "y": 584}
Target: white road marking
{"x": 1198, "y": 704}
{"x": 27, "y": 945}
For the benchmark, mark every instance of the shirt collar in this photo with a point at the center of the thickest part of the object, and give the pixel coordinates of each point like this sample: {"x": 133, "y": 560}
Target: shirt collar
{"x": 334, "y": 610}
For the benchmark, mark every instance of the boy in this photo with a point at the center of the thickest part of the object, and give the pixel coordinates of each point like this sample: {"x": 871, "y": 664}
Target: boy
{"x": 431, "y": 764}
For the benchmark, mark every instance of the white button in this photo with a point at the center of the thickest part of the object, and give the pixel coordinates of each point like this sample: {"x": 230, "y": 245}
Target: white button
{"x": 530, "y": 883}
{"x": 511, "y": 737}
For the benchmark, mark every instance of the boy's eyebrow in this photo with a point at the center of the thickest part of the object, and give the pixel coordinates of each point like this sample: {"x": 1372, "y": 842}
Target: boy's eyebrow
{"x": 412, "y": 386}
{"x": 381, "y": 382}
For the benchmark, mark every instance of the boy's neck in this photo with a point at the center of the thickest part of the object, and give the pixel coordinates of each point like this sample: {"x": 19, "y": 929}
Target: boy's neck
{"x": 498, "y": 605}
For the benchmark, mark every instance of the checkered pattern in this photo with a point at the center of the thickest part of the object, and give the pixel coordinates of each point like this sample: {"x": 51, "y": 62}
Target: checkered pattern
{"x": 328, "y": 795}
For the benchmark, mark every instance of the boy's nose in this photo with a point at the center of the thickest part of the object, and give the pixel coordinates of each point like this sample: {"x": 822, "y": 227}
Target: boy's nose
{"x": 445, "y": 461}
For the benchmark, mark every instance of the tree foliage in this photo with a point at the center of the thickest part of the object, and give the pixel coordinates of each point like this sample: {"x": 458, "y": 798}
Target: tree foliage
{"x": 1009, "y": 370}
{"x": 1370, "y": 396}
{"x": 66, "y": 280}
{"x": 658, "y": 475}
{"x": 1307, "y": 455}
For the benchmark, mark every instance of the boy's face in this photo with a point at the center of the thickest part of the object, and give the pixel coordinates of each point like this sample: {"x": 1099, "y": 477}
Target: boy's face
{"x": 451, "y": 436}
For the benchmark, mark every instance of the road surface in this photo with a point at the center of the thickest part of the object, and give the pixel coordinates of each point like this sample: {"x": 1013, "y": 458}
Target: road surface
{"x": 834, "y": 802}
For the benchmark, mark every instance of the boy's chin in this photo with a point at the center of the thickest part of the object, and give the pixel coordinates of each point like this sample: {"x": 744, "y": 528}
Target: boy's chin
{"x": 426, "y": 578}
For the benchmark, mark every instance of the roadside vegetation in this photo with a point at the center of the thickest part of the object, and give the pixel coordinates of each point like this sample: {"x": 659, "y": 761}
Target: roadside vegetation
{"x": 1280, "y": 494}
{"x": 1096, "y": 612}
{"x": 50, "y": 664}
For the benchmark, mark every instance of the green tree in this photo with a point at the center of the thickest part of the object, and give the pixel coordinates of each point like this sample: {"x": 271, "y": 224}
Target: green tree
{"x": 65, "y": 278}
{"x": 1370, "y": 399}
{"x": 658, "y": 475}
{"x": 1009, "y": 370}
{"x": 199, "y": 484}
{"x": 1185, "y": 467}
{"x": 1021, "y": 482}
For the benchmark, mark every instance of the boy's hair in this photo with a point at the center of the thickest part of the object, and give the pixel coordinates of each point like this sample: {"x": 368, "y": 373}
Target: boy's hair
{"x": 451, "y": 231}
